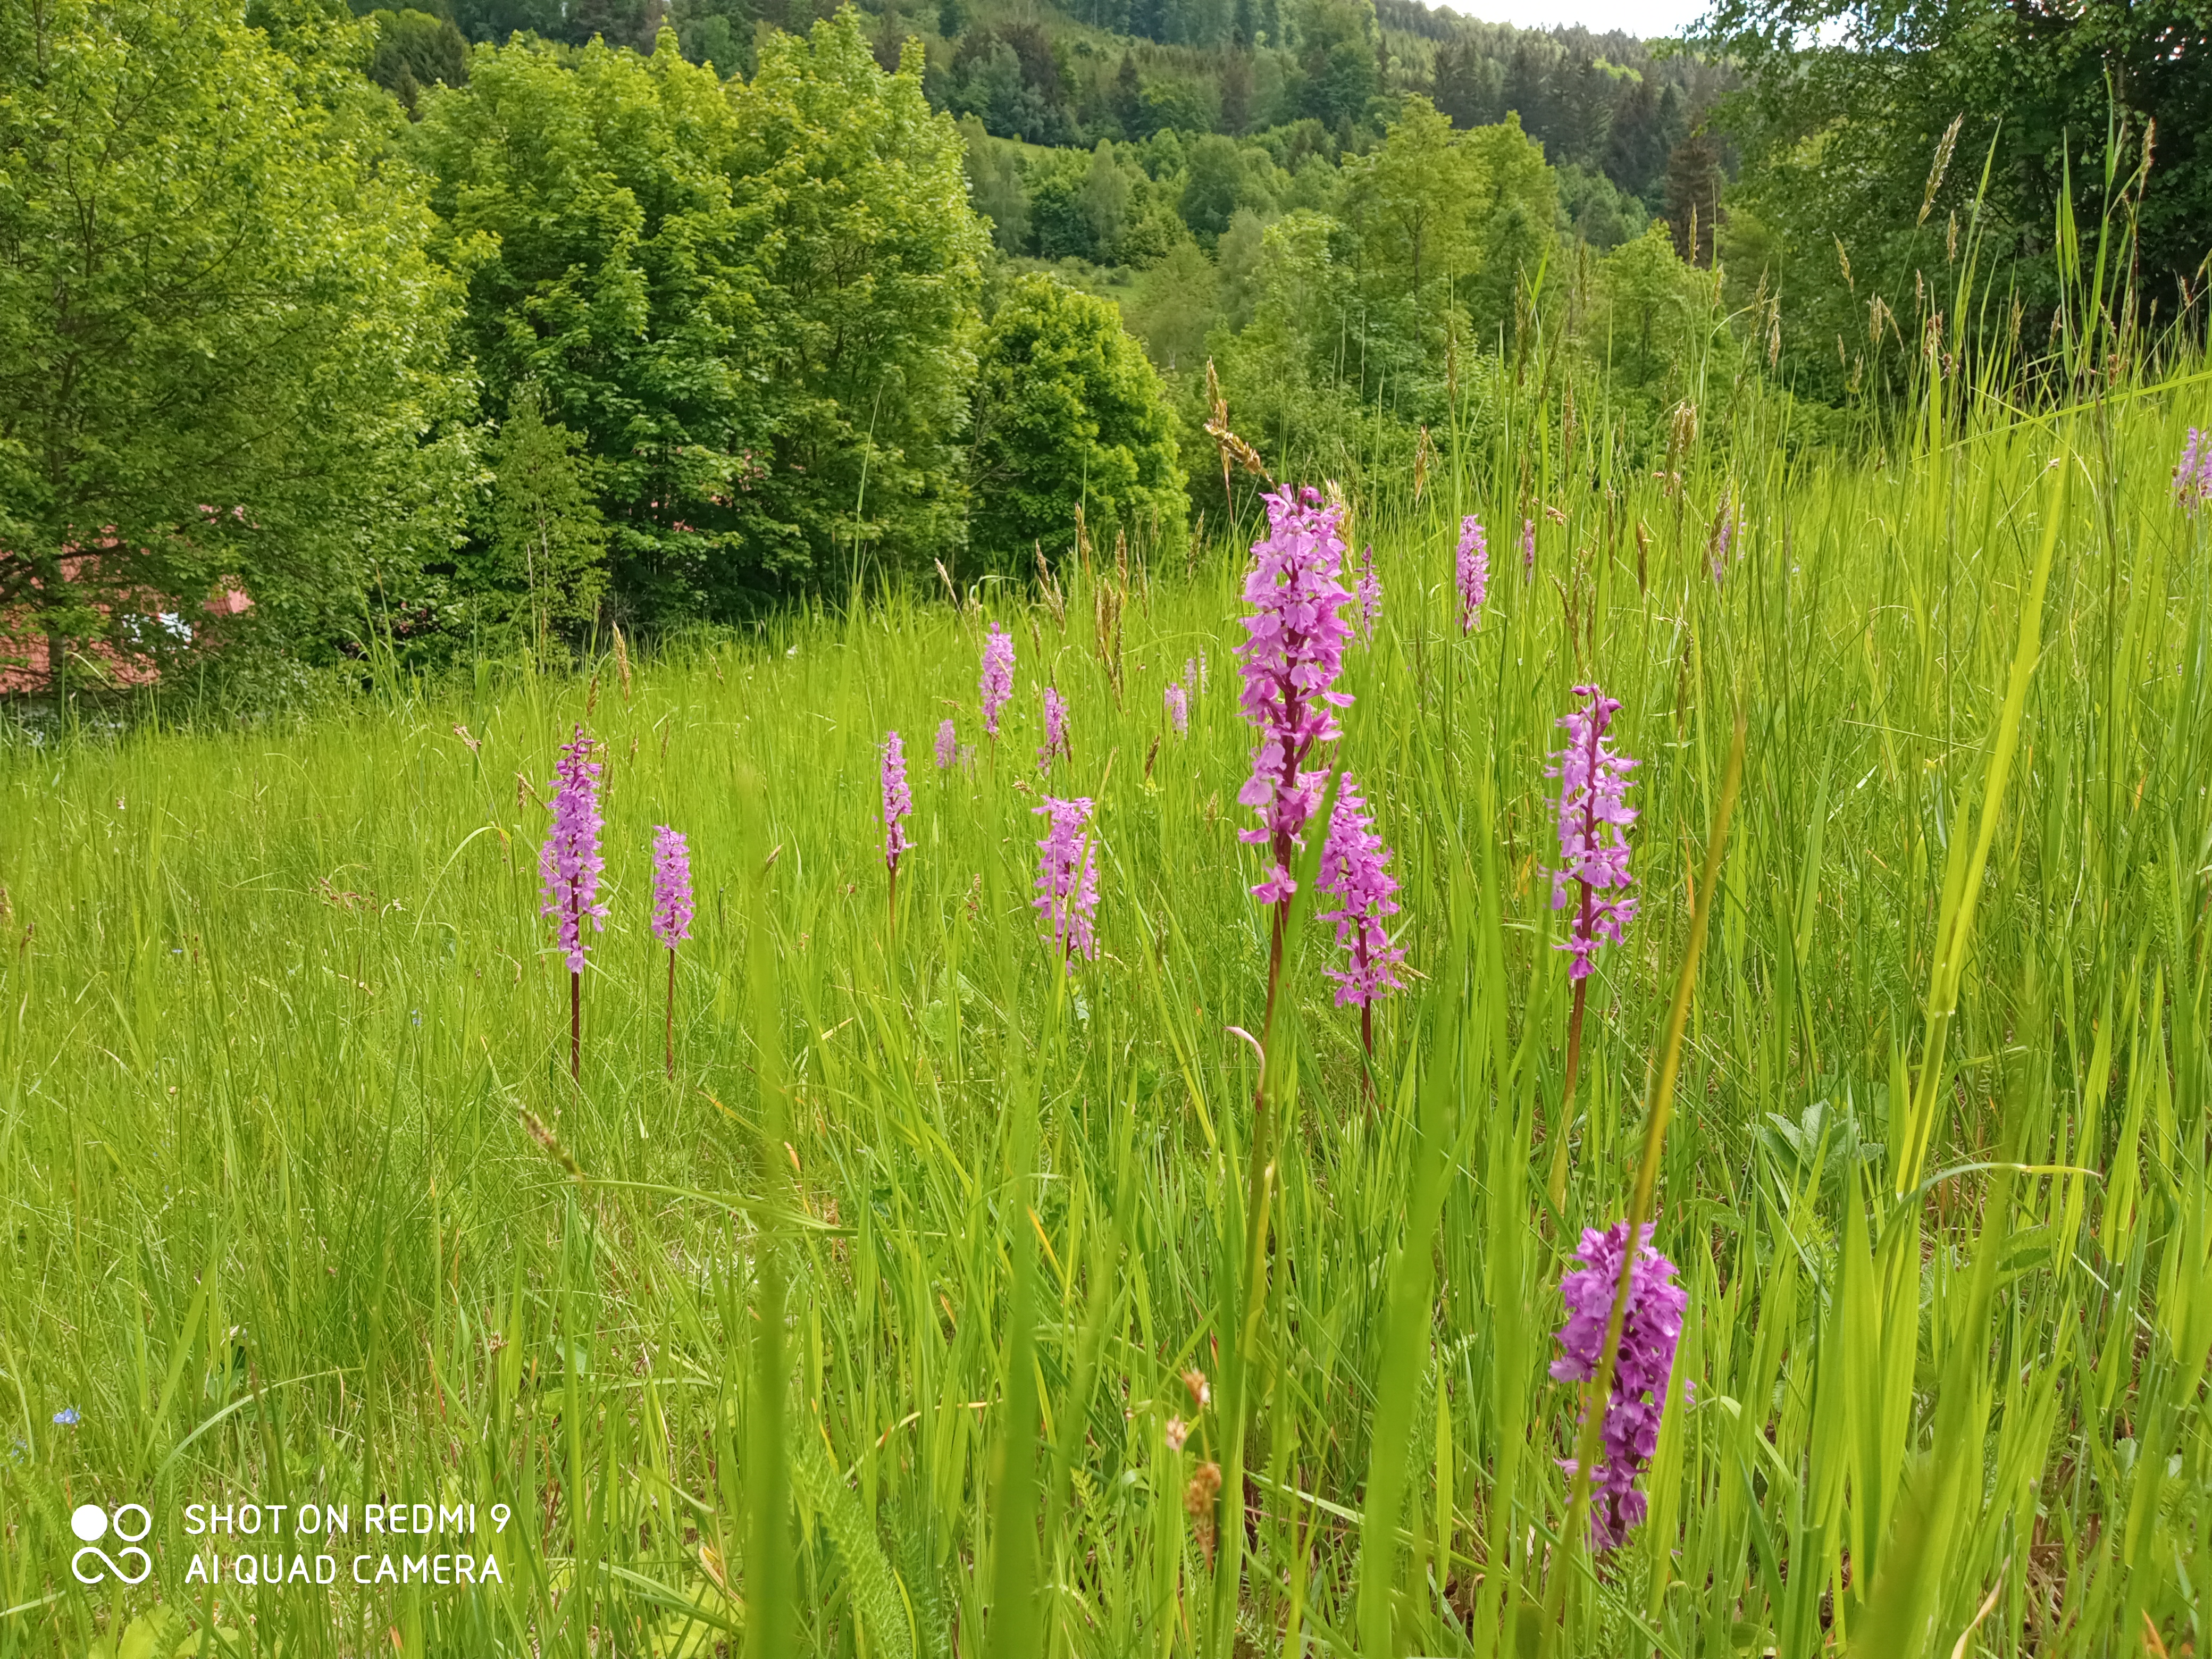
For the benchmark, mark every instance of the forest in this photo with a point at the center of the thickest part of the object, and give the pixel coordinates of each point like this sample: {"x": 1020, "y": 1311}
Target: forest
{"x": 484, "y": 328}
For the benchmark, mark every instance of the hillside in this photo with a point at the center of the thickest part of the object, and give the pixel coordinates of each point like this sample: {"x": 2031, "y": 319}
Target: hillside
{"x": 1294, "y": 78}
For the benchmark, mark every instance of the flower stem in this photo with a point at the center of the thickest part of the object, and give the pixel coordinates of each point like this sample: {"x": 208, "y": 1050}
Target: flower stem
{"x": 671, "y": 1013}
{"x": 1585, "y": 909}
{"x": 1259, "y": 1183}
{"x": 1574, "y": 1537}
{"x": 1557, "y": 1187}
{"x": 575, "y": 1025}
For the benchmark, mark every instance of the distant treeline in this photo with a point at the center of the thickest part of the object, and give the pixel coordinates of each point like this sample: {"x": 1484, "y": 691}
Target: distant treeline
{"x": 1125, "y": 70}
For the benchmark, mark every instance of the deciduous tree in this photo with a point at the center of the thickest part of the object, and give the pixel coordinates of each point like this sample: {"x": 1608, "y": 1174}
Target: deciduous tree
{"x": 223, "y": 343}
{"x": 1068, "y": 412}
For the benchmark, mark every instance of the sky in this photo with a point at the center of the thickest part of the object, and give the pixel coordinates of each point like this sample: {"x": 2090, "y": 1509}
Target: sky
{"x": 1645, "y": 18}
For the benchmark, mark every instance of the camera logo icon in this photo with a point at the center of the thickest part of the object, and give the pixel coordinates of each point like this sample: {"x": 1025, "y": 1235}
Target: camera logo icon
{"x": 91, "y": 1523}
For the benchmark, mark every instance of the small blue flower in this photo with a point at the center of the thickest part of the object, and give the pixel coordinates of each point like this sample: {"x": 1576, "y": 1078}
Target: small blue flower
{"x": 66, "y": 1417}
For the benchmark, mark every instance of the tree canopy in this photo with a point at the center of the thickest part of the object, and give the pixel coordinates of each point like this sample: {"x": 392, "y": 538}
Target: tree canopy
{"x": 1872, "y": 127}
{"x": 1069, "y": 413}
{"x": 753, "y": 301}
{"x": 223, "y": 339}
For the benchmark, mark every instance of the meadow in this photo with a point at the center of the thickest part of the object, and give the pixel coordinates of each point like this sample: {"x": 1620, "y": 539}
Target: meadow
{"x": 877, "y": 1328}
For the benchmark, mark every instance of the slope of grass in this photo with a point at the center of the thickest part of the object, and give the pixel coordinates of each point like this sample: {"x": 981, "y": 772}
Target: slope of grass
{"x": 302, "y": 1204}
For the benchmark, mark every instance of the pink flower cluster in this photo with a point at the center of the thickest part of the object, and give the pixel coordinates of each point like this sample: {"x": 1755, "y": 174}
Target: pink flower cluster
{"x": 671, "y": 887}
{"x": 1473, "y": 571}
{"x": 948, "y": 744}
{"x": 1352, "y": 861}
{"x": 1067, "y": 877}
{"x": 1055, "y": 731}
{"x": 2192, "y": 479}
{"x": 1638, "y": 1399}
{"x": 570, "y": 864}
{"x": 998, "y": 681}
{"x": 898, "y": 801}
{"x": 1178, "y": 705}
{"x": 1292, "y": 655}
{"x": 1594, "y": 822}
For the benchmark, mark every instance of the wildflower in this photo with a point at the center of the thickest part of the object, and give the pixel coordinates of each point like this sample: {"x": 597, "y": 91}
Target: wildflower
{"x": 1724, "y": 537}
{"x": 1351, "y": 870}
{"x": 1474, "y": 570}
{"x": 1178, "y": 1431}
{"x": 1201, "y": 1392}
{"x": 671, "y": 887}
{"x": 898, "y": 802}
{"x": 998, "y": 682}
{"x": 1055, "y": 730}
{"x": 570, "y": 864}
{"x": 2192, "y": 479}
{"x": 66, "y": 1418}
{"x": 1178, "y": 703}
{"x": 1292, "y": 655}
{"x": 948, "y": 745}
{"x": 1370, "y": 594}
{"x": 1067, "y": 877}
{"x": 1593, "y": 829}
{"x": 1638, "y": 1399}
{"x": 1528, "y": 547}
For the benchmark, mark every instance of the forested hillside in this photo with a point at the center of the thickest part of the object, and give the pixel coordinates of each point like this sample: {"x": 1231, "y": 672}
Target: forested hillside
{"x": 483, "y": 327}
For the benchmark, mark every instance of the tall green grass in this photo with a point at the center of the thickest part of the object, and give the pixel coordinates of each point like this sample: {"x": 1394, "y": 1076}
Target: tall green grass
{"x": 864, "y": 1335}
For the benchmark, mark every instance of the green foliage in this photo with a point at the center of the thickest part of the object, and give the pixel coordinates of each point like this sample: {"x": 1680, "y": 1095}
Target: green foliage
{"x": 1653, "y": 304}
{"x": 1068, "y": 412}
{"x": 546, "y": 551}
{"x": 1176, "y": 304}
{"x": 610, "y": 237}
{"x": 1596, "y": 211}
{"x": 1060, "y": 227}
{"x": 1846, "y": 122}
{"x": 996, "y": 186}
{"x": 1181, "y": 103}
{"x": 222, "y": 342}
{"x": 1011, "y": 78}
{"x": 414, "y": 50}
{"x": 1214, "y": 187}
{"x": 1413, "y": 202}
{"x": 876, "y": 255}
{"x": 715, "y": 32}
{"x": 754, "y": 303}
{"x": 1337, "y": 70}
{"x": 1516, "y": 219}
{"x": 1693, "y": 198}
{"x": 1342, "y": 325}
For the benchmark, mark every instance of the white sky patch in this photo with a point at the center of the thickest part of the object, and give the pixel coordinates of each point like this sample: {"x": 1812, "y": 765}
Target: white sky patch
{"x": 1646, "y": 19}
